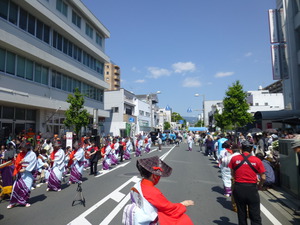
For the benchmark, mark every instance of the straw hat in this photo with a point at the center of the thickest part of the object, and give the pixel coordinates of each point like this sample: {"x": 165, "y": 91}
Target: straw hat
{"x": 155, "y": 166}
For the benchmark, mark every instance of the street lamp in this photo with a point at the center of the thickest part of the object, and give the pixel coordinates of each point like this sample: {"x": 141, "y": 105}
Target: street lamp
{"x": 149, "y": 97}
{"x": 197, "y": 95}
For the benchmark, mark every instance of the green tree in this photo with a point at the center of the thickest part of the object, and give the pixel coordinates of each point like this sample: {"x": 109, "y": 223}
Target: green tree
{"x": 221, "y": 121}
{"x": 199, "y": 123}
{"x": 235, "y": 107}
{"x": 76, "y": 116}
{"x": 167, "y": 125}
{"x": 176, "y": 117}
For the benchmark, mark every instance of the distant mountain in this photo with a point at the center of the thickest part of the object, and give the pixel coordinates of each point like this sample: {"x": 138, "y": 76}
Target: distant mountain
{"x": 191, "y": 119}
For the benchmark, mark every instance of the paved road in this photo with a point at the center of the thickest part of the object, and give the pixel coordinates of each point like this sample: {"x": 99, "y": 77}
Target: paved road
{"x": 194, "y": 176}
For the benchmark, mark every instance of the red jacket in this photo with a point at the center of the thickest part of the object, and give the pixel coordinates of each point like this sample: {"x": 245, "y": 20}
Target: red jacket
{"x": 168, "y": 212}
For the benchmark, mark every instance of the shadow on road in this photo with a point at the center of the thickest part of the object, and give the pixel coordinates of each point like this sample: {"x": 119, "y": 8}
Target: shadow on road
{"x": 224, "y": 221}
{"x": 225, "y": 202}
{"x": 38, "y": 198}
{"x": 217, "y": 189}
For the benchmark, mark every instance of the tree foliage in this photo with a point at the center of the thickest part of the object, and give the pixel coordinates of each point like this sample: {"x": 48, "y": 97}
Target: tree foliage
{"x": 235, "y": 112}
{"x": 176, "y": 117}
{"x": 199, "y": 123}
{"x": 167, "y": 125}
{"x": 76, "y": 116}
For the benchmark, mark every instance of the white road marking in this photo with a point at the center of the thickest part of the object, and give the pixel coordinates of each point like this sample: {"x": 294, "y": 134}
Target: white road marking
{"x": 103, "y": 172}
{"x": 269, "y": 215}
{"x": 80, "y": 220}
{"x": 116, "y": 195}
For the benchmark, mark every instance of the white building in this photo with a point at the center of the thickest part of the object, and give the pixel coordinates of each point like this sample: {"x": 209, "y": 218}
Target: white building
{"x": 47, "y": 49}
{"x": 130, "y": 114}
{"x": 164, "y": 115}
{"x": 122, "y": 106}
{"x": 263, "y": 100}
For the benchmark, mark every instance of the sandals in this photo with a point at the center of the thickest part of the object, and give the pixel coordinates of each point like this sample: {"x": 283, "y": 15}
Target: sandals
{"x": 27, "y": 205}
{"x": 11, "y": 206}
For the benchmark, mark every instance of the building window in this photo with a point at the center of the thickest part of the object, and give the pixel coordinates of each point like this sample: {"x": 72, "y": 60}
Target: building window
{"x": 99, "y": 40}
{"x": 2, "y": 59}
{"x": 76, "y": 19}
{"x": 21, "y": 61}
{"x": 13, "y": 13}
{"x": 89, "y": 30}
{"x": 3, "y": 8}
{"x": 31, "y": 24}
{"x": 115, "y": 109}
{"x": 8, "y": 113}
{"x": 62, "y": 7}
{"x": 256, "y": 104}
{"x": 23, "y": 19}
{"x": 29, "y": 70}
{"x": 266, "y": 104}
{"x": 141, "y": 112}
{"x": 128, "y": 111}
{"x": 10, "y": 63}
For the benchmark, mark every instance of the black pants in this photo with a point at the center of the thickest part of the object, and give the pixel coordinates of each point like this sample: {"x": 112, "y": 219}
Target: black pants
{"x": 93, "y": 167}
{"x": 121, "y": 153}
{"x": 246, "y": 195}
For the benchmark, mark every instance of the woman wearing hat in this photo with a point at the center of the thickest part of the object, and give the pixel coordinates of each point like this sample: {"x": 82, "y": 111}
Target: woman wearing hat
{"x": 25, "y": 164}
{"x": 152, "y": 169}
{"x": 57, "y": 158}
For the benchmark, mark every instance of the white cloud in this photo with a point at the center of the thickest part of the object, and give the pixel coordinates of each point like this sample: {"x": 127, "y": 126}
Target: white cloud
{"x": 158, "y": 72}
{"x": 248, "y": 54}
{"x": 191, "y": 82}
{"x": 140, "y": 81}
{"x": 224, "y": 74}
{"x": 134, "y": 69}
{"x": 182, "y": 67}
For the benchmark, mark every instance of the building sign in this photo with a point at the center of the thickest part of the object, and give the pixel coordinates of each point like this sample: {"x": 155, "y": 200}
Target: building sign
{"x": 273, "y": 26}
{"x": 283, "y": 62}
{"x": 275, "y": 62}
{"x": 69, "y": 139}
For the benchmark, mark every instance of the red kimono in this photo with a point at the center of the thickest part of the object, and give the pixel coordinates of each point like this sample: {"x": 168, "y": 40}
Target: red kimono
{"x": 168, "y": 212}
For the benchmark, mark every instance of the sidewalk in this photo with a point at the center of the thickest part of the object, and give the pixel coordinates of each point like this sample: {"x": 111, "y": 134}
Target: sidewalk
{"x": 285, "y": 199}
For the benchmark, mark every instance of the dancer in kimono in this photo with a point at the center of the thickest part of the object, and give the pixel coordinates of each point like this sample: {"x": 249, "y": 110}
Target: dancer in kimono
{"x": 7, "y": 169}
{"x": 43, "y": 165}
{"x": 224, "y": 159}
{"x": 77, "y": 162}
{"x": 114, "y": 152}
{"x": 156, "y": 208}
{"x": 139, "y": 147}
{"x": 147, "y": 143}
{"x": 25, "y": 165}
{"x": 128, "y": 149}
{"x": 58, "y": 167}
{"x": 105, "y": 152}
{"x": 190, "y": 142}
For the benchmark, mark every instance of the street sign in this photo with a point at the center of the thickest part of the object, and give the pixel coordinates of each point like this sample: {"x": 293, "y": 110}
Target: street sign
{"x": 131, "y": 119}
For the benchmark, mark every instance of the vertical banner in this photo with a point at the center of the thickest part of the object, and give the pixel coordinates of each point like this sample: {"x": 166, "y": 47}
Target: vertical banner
{"x": 69, "y": 141}
{"x": 273, "y": 26}
{"x": 284, "y": 70}
{"x": 275, "y": 62}
{"x": 280, "y": 24}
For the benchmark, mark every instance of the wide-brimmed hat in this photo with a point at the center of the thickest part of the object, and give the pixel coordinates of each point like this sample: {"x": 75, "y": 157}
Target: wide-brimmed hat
{"x": 296, "y": 143}
{"x": 156, "y": 166}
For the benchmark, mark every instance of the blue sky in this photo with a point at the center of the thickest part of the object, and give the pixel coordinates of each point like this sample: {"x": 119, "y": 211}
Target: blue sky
{"x": 183, "y": 47}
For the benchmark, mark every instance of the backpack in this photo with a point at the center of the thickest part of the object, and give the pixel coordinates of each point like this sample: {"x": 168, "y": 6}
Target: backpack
{"x": 139, "y": 211}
